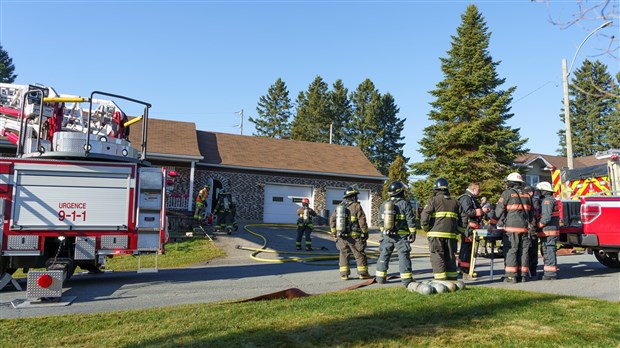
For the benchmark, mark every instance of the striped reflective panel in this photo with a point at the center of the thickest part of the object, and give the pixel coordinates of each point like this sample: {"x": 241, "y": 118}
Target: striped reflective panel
{"x": 556, "y": 182}
{"x": 449, "y": 214}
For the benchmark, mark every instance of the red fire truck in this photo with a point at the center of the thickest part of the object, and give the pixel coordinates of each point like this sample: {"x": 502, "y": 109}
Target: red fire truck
{"x": 590, "y": 208}
{"x": 77, "y": 191}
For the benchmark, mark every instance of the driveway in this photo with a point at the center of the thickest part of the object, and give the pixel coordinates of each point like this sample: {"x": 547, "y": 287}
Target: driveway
{"x": 239, "y": 276}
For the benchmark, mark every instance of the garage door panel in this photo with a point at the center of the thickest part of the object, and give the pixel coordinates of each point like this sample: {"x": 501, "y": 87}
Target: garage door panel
{"x": 282, "y": 201}
{"x": 334, "y": 197}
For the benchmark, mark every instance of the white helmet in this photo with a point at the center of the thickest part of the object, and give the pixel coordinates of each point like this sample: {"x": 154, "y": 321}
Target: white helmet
{"x": 544, "y": 186}
{"x": 516, "y": 177}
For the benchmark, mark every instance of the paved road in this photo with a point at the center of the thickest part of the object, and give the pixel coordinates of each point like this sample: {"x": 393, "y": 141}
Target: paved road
{"x": 238, "y": 276}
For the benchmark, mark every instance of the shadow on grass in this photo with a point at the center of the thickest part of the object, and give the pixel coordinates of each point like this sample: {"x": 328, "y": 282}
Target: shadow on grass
{"x": 415, "y": 320}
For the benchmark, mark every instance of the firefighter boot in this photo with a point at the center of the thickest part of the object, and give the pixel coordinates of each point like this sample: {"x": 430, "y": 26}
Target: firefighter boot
{"x": 510, "y": 279}
{"x": 229, "y": 230}
{"x": 344, "y": 276}
{"x": 309, "y": 248}
{"x": 380, "y": 280}
{"x": 364, "y": 276}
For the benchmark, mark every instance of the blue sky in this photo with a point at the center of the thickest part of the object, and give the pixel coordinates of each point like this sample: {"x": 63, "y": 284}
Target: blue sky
{"x": 204, "y": 61}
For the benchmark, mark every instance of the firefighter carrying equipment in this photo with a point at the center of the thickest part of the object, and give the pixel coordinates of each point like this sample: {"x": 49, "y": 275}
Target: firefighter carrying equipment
{"x": 342, "y": 225}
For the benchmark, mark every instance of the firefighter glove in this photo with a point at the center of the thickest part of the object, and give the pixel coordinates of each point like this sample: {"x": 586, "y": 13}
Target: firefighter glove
{"x": 411, "y": 237}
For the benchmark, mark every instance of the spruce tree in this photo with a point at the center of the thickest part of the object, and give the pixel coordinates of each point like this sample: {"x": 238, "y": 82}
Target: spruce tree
{"x": 613, "y": 135}
{"x": 390, "y": 144}
{"x": 592, "y": 109}
{"x": 341, "y": 114}
{"x": 7, "y": 68}
{"x": 397, "y": 171}
{"x": 469, "y": 139}
{"x": 367, "y": 107}
{"x": 274, "y": 112}
{"x": 312, "y": 120}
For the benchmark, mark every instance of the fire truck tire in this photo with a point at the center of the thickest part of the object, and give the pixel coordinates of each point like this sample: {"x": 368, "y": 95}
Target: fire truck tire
{"x": 609, "y": 259}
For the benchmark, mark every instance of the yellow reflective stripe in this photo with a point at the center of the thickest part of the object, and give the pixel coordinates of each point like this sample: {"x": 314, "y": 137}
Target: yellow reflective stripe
{"x": 452, "y": 274}
{"x": 362, "y": 268}
{"x": 405, "y": 276}
{"x": 333, "y": 230}
{"x": 344, "y": 268}
{"x": 411, "y": 229}
{"x": 403, "y": 233}
{"x": 380, "y": 274}
{"x": 441, "y": 234}
{"x": 461, "y": 229}
{"x": 400, "y": 216}
{"x": 353, "y": 218}
{"x": 440, "y": 276}
{"x": 449, "y": 214}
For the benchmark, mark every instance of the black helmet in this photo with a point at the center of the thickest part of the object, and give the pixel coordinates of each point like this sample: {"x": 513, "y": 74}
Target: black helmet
{"x": 350, "y": 191}
{"x": 441, "y": 184}
{"x": 395, "y": 188}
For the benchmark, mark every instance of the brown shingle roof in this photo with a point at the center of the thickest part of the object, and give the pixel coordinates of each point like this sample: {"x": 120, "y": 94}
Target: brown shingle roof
{"x": 559, "y": 161}
{"x": 261, "y": 153}
{"x": 167, "y": 137}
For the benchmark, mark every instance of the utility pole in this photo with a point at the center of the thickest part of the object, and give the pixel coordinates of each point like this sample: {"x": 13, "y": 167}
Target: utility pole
{"x": 241, "y": 122}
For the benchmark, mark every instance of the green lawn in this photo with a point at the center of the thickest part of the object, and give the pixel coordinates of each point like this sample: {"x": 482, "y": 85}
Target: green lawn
{"x": 178, "y": 254}
{"x": 384, "y": 317}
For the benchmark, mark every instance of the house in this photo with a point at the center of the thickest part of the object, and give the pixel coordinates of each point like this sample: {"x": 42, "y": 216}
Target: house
{"x": 539, "y": 165}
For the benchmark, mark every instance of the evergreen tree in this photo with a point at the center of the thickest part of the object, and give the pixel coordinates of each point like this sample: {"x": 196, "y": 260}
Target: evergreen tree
{"x": 397, "y": 171}
{"x": 274, "y": 112}
{"x": 312, "y": 120}
{"x": 367, "y": 107}
{"x": 7, "y": 68}
{"x": 613, "y": 135}
{"x": 469, "y": 139}
{"x": 341, "y": 113}
{"x": 390, "y": 143}
{"x": 593, "y": 111}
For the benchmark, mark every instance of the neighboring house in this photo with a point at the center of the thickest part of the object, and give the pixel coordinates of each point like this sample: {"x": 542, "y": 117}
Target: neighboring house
{"x": 539, "y": 166}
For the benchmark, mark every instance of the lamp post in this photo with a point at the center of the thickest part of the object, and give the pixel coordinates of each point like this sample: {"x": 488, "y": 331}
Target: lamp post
{"x": 565, "y": 73}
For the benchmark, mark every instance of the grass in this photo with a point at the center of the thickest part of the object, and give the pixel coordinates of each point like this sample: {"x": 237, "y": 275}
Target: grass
{"x": 385, "y": 317}
{"x": 178, "y": 254}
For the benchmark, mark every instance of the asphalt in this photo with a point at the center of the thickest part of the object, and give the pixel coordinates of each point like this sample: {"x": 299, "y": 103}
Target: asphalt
{"x": 238, "y": 276}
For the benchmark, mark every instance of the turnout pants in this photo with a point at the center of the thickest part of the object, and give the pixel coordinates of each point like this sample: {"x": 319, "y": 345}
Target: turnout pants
{"x": 442, "y": 257}
{"x": 301, "y": 231}
{"x": 517, "y": 260}
{"x": 465, "y": 254}
{"x": 533, "y": 251}
{"x": 548, "y": 250}
{"x": 386, "y": 248}
{"x": 356, "y": 246}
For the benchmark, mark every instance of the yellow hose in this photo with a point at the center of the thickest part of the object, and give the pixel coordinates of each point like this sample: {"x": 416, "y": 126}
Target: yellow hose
{"x": 323, "y": 256}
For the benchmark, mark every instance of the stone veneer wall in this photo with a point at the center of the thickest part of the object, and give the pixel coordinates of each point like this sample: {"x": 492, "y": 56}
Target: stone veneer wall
{"x": 248, "y": 188}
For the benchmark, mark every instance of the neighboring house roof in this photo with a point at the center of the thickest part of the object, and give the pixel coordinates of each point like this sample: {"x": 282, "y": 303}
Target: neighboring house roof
{"x": 558, "y": 161}
{"x": 269, "y": 154}
{"x": 167, "y": 139}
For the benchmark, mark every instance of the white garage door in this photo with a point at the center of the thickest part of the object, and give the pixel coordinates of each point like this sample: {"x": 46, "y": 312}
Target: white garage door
{"x": 282, "y": 202}
{"x": 334, "y": 197}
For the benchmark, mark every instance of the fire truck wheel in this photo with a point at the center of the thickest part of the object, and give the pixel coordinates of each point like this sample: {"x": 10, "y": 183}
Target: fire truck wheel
{"x": 609, "y": 259}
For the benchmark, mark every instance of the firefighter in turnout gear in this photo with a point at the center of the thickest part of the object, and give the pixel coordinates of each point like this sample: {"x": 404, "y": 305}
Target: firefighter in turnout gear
{"x": 441, "y": 218}
{"x": 533, "y": 249}
{"x": 201, "y": 202}
{"x": 304, "y": 224}
{"x": 226, "y": 213}
{"x": 397, "y": 225}
{"x": 514, "y": 209}
{"x": 471, "y": 217}
{"x": 348, "y": 224}
{"x": 549, "y": 230}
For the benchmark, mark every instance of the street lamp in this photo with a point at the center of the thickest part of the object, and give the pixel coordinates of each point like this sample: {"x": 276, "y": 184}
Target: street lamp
{"x": 569, "y": 141}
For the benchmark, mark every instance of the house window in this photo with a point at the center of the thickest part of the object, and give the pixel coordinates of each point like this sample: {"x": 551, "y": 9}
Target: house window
{"x": 278, "y": 199}
{"x": 532, "y": 180}
{"x": 297, "y": 200}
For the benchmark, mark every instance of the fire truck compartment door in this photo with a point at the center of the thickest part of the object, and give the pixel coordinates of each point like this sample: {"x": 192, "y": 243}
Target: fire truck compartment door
{"x": 71, "y": 197}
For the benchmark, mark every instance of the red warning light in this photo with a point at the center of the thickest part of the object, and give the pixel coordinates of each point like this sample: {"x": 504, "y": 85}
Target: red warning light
{"x": 45, "y": 281}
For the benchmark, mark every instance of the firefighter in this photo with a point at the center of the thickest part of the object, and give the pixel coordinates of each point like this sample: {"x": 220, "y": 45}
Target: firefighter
{"x": 201, "y": 202}
{"x": 304, "y": 224}
{"x": 441, "y": 219}
{"x": 471, "y": 218}
{"x": 397, "y": 225}
{"x": 533, "y": 249}
{"x": 226, "y": 212}
{"x": 514, "y": 211}
{"x": 549, "y": 230}
{"x": 348, "y": 224}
